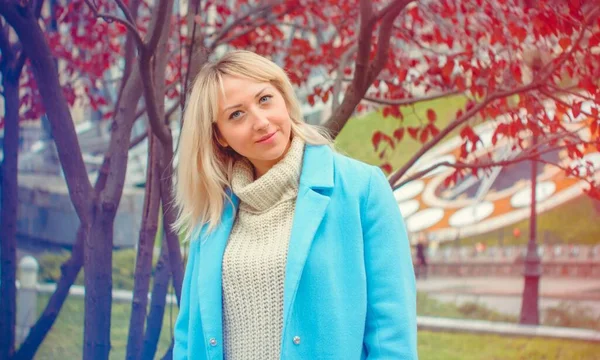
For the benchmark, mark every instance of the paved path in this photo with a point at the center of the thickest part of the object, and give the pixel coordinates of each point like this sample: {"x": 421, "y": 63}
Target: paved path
{"x": 504, "y": 294}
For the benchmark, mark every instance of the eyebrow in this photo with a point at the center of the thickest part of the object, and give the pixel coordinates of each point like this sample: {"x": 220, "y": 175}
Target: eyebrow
{"x": 239, "y": 105}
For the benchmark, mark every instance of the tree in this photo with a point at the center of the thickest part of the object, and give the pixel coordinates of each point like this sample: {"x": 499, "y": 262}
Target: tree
{"x": 95, "y": 207}
{"x": 11, "y": 66}
{"x": 385, "y": 55}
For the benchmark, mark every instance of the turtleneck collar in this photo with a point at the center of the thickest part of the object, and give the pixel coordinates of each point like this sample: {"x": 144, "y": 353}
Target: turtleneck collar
{"x": 278, "y": 184}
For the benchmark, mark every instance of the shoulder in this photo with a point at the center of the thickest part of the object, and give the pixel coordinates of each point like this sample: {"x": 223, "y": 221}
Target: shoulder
{"x": 356, "y": 177}
{"x": 363, "y": 173}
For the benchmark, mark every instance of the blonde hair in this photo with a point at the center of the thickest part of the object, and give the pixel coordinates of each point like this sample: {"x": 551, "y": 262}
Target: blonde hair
{"x": 204, "y": 168}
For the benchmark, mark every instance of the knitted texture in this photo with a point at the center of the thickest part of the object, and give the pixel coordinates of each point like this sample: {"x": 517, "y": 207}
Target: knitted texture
{"x": 255, "y": 257}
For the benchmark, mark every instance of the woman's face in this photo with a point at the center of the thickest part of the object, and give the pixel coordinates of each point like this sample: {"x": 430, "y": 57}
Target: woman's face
{"x": 254, "y": 121}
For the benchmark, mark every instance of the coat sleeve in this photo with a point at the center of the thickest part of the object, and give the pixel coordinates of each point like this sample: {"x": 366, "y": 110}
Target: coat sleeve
{"x": 391, "y": 324}
{"x": 180, "y": 346}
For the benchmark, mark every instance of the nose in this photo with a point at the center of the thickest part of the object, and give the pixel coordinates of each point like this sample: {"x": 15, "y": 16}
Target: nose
{"x": 261, "y": 120}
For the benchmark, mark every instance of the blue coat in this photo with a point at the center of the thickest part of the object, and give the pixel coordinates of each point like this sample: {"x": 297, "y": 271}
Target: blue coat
{"x": 349, "y": 289}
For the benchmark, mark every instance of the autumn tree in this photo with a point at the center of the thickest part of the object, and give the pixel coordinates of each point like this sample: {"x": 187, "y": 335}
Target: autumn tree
{"x": 511, "y": 61}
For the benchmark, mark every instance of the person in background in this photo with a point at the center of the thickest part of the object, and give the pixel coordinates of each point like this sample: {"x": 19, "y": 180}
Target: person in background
{"x": 421, "y": 257}
{"x": 295, "y": 251}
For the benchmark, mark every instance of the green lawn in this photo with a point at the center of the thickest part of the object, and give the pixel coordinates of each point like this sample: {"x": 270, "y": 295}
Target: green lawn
{"x": 65, "y": 339}
{"x": 355, "y": 138}
{"x": 455, "y": 346}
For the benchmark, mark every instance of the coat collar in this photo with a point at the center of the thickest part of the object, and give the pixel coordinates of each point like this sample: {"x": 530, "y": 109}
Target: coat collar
{"x": 316, "y": 178}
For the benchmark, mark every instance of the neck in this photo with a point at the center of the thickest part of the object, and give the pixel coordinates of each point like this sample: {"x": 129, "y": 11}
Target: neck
{"x": 261, "y": 167}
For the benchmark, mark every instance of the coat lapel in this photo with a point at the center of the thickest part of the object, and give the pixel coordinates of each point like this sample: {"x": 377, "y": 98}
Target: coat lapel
{"x": 316, "y": 182}
{"x": 212, "y": 248}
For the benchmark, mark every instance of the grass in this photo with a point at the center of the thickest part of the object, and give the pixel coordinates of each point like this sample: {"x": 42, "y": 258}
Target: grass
{"x": 65, "y": 339}
{"x": 427, "y": 306}
{"x": 455, "y": 346}
{"x": 123, "y": 268}
{"x": 565, "y": 314}
{"x": 355, "y": 138}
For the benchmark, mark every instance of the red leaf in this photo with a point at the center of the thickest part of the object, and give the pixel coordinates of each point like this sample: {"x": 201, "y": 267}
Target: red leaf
{"x": 399, "y": 134}
{"x": 387, "y": 168}
{"x": 433, "y": 129}
{"x": 311, "y": 99}
{"x": 516, "y": 71}
{"x": 376, "y": 139}
{"x": 325, "y": 96}
{"x": 594, "y": 40}
{"x": 379, "y": 136}
{"x": 594, "y": 127}
{"x": 564, "y": 43}
{"x": 448, "y": 69}
{"x": 460, "y": 83}
{"x": 576, "y": 109}
{"x": 431, "y": 116}
{"x": 413, "y": 132}
{"x": 424, "y": 136}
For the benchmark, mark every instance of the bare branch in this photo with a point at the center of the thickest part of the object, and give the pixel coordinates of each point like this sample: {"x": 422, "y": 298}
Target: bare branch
{"x": 20, "y": 62}
{"x": 337, "y": 85}
{"x": 142, "y": 110}
{"x": 128, "y": 15}
{"x": 410, "y": 101}
{"x": 574, "y": 93}
{"x": 454, "y": 124}
{"x": 365, "y": 73}
{"x": 5, "y": 47}
{"x": 37, "y": 8}
{"x": 164, "y": 10}
{"x": 364, "y": 45}
{"x": 110, "y": 18}
{"x": 392, "y": 6}
{"x": 190, "y": 54}
{"x": 161, "y": 24}
{"x": 527, "y": 155}
{"x": 239, "y": 21}
{"x": 383, "y": 42}
{"x": 171, "y": 111}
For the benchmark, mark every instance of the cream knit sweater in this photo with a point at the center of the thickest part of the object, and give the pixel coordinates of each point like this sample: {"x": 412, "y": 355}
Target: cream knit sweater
{"x": 255, "y": 257}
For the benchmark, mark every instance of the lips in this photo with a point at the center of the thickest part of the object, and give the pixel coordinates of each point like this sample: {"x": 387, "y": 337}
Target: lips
{"x": 266, "y": 137}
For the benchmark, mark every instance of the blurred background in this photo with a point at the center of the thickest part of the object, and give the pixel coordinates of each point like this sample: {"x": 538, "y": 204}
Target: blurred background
{"x": 483, "y": 114}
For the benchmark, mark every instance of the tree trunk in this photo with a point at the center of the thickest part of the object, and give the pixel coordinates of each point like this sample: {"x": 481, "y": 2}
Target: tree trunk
{"x": 25, "y": 24}
{"x": 154, "y": 95}
{"x": 98, "y": 283}
{"x": 143, "y": 264}
{"x": 162, "y": 274}
{"x": 169, "y": 216}
{"x": 8, "y": 213}
{"x": 69, "y": 271}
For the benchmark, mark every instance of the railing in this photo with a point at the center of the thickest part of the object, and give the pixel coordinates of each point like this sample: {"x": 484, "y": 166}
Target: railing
{"x": 556, "y": 260}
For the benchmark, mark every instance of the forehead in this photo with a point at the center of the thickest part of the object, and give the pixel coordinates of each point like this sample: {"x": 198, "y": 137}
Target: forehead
{"x": 235, "y": 90}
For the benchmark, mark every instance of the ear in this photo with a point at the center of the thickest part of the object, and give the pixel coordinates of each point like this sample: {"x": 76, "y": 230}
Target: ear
{"x": 219, "y": 138}
{"x": 222, "y": 142}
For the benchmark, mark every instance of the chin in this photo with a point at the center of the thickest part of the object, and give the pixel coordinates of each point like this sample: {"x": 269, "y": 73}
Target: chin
{"x": 275, "y": 153}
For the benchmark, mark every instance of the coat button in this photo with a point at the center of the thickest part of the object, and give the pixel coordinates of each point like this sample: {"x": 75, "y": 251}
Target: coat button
{"x": 297, "y": 340}
{"x": 212, "y": 342}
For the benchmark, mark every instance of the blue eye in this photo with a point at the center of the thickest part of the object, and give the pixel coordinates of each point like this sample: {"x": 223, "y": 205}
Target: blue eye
{"x": 265, "y": 98}
{"x": 235, "y": 114}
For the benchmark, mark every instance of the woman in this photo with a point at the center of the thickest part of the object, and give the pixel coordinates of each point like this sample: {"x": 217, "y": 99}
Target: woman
{"x": 296, "y": 252}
